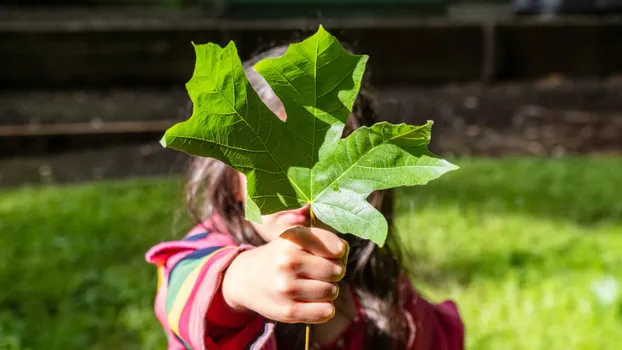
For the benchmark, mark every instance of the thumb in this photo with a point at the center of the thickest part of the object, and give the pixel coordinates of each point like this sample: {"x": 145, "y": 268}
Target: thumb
{"x": 317, "y": 241}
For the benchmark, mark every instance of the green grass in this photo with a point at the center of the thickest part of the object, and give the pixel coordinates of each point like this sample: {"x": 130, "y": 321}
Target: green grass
{"x": 72, "y": 270}
{"x": 518, "y": 243}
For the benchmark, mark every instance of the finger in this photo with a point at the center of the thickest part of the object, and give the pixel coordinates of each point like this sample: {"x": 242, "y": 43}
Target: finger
{"x": 327, "y": 270}
{"x": 313, "y": 290}
{"x": 307, "y": 312}
{"x": 317, "y": 241}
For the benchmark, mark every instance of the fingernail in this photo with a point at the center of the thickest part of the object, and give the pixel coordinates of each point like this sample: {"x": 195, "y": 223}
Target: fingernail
{"x": 332, "y": 312}
{"x": 344, "y": 258}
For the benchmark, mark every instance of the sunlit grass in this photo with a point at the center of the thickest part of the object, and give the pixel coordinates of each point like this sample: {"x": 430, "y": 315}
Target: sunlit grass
{"x": 522, "y": 245}
{"x": 530, "y": 249}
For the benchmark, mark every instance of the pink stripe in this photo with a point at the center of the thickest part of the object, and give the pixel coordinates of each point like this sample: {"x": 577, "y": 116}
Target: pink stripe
{"x": 158, "y": 252}
{"x": 206, "y": 294}
{"x": 205, "y": 226}
{"x": 263, "y": 339}
{"x": 169, "y": 254}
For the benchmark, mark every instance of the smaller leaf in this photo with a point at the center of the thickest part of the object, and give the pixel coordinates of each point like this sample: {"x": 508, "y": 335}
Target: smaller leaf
{"x": 372, "y": 158}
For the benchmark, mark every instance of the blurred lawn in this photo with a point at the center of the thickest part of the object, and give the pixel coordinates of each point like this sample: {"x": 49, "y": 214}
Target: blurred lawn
{"x": 521, "y": 244}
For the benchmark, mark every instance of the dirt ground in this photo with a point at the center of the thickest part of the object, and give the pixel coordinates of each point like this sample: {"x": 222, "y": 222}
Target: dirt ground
{"x": 549, "y": 117}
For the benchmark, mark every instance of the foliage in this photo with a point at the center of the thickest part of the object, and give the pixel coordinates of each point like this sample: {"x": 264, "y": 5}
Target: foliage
{"x": 303, "y": 160}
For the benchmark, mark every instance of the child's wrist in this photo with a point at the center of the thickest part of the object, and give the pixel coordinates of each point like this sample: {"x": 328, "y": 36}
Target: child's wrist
{"x": 233, "y": 284}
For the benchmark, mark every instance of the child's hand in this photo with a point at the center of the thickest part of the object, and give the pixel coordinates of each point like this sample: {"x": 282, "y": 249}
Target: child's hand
{"x": 292, "y": 279}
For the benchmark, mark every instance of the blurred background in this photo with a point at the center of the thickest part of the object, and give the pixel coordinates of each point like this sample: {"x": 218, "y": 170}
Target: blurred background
{"x": 526, "y": 96}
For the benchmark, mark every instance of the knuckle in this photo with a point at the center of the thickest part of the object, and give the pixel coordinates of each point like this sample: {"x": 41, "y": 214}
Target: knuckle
{"x": 287, "y": 261}
{"x": 285, "y": 287}
{"x": 289, "y": 312}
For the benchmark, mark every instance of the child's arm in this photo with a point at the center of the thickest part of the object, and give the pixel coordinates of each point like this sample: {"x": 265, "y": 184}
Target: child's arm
{"x": 280, "y": 281}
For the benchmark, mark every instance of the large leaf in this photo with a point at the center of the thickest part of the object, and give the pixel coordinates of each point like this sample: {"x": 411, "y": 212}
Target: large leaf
{"x": 230, "y": 123}
{"x": 301, "y": 161}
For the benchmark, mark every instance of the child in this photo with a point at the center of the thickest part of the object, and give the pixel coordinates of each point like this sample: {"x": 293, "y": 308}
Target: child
{"x": 233, "y": 284}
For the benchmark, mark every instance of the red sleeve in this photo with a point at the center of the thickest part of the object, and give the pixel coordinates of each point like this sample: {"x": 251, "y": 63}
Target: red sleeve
{"x": 228, "y": 329}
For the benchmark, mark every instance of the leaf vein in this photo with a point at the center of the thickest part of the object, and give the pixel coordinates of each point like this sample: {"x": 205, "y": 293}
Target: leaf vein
{"x": 338, "y": 83}
{"x": 355, "y": 163}
{"x": 286, "y": 80}
{"x": 185, "y": 138}
{"x": 349, "y": 213}
{"x": 260, "y": 139}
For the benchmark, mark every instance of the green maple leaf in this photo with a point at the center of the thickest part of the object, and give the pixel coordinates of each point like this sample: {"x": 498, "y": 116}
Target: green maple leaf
{"x": 303, "y": 160}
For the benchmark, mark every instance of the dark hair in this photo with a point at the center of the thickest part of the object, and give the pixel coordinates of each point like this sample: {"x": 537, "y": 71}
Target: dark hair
{"x": 372, "y": 273}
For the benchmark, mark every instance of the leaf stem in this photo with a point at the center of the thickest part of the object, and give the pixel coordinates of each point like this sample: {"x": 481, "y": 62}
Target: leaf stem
{"x": 312, "y": 215}
{"x": 308, "y": 326}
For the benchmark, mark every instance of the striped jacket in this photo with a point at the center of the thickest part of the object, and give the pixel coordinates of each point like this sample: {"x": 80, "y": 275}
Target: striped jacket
{"x": 190, "y": 306}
